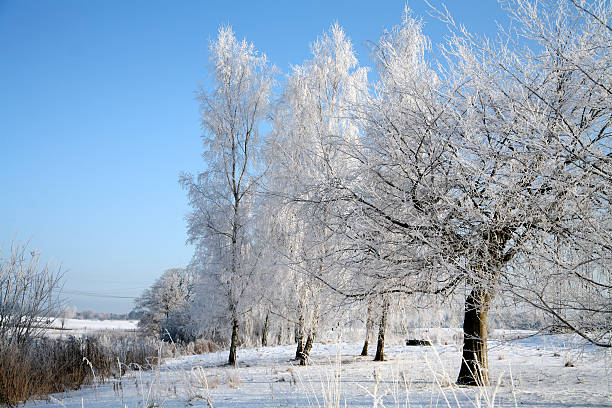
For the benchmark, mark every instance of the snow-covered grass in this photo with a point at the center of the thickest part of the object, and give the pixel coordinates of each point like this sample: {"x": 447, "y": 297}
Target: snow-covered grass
{"x": 532, "y": 372}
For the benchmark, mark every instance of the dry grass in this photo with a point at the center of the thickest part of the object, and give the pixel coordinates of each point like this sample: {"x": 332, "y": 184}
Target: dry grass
{"x": 36, "y": 369}
{"x": 202, "y": 346}
{"x": 45, "y": 366}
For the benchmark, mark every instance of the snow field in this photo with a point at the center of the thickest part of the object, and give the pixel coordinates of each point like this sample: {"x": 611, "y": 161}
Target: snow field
{"x": 80, "y": 327}
{"x": 531, "y": 372}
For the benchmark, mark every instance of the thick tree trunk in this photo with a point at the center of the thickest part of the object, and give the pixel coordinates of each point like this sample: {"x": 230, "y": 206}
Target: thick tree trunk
{"x": 366, "y": 343}
{"x": 234, "y": 343}
{"x": 382, "y": 327}
{"x": 474, "y": 365}
{"x": 264, "y": 332}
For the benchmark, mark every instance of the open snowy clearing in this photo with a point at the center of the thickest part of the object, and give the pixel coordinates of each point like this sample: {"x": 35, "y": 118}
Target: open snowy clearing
{"x": 540, "y": 371}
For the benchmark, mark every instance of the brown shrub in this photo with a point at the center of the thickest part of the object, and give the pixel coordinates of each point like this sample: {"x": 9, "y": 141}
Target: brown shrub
{"x": 202, "y": 346}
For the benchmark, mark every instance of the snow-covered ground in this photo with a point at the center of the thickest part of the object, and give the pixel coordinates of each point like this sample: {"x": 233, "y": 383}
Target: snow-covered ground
{"x": 539, "y": 371}
{"x": 75, "y": 327}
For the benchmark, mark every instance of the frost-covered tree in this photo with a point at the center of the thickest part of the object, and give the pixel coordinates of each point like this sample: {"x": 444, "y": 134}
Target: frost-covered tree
{"x": 486, "y": 174}
{"x": 566, "y": 272}
{"x": 465, "y": 175}
{"x": 532, "y": 145}
{"x": 222, "y": 195}
{"x": 278, "y": 281}
{"x": 165, "y": 302}
{"x": 313, "y": 125}
{"x": 393, "y": 242}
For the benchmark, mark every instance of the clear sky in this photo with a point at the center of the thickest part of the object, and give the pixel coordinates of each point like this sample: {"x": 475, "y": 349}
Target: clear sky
{"x": 98, "y": 118}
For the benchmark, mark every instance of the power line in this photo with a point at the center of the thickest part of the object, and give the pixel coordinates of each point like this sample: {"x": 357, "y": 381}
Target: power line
{"x": 98, "y": 295}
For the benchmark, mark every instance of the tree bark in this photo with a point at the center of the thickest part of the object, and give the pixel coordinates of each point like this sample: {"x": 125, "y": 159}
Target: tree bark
{"x": 264, "y": 332}
{"x": 474, "y": 364}
{"x": 307, "y": 347}
{"x": 364, "y": 350}
{"x": 234, "y": 266}
{"x": 234, "y": 343}
{"x": 380, "y": 346}
{"x": 281, "y": 334}
{"x": 299, "y": 334}
{"x": 312, "y": 332}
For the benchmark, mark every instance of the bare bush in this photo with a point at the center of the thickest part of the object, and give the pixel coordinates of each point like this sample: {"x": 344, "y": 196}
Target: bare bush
{"x": 29, "y": 294}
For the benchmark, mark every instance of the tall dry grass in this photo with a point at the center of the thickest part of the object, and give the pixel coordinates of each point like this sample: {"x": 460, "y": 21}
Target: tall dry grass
{"x": 45, "y": 366}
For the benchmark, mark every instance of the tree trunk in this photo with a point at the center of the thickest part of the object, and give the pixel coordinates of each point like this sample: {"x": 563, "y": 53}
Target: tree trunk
{"x": 264, "y": 332}
{"x": 364, "y": 350}
{"x": 474, "y": 365}
{"x": 234, "y": 343}
{"x": 310, "y": 338}
{"x": 380, "y": 347}
{"x": 234, "y": 268}
{"x": 307, "y": 347}
{"x": 299, "y": 334}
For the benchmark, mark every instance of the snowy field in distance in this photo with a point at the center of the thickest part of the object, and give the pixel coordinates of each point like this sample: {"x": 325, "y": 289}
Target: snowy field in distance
{"x": 81, "y": 326}
{"x": 539, "y": 371}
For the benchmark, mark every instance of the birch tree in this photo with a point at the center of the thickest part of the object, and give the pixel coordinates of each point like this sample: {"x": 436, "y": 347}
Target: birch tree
{"x": 313, "y": 124}
{"x": 222, "y": 195}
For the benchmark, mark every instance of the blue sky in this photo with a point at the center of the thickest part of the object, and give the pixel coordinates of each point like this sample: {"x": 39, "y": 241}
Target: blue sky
{"x": 98, "y": 118}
